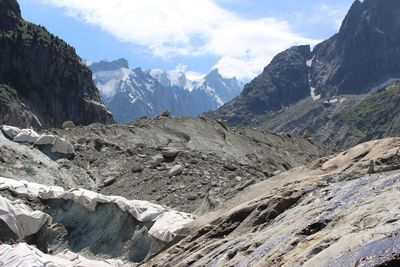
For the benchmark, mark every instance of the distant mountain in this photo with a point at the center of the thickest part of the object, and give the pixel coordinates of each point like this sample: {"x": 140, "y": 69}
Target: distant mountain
{"x": 282, "y": 83}
{"x": 43, "y": 82}
{"x": 133, "y": 93}
{"x": 303, "y": 91}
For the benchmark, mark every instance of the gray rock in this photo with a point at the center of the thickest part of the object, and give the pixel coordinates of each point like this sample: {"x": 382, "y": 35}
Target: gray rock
{"x": 176, "y": 170}
{"x": 109, "y": 181}
{"x": 166, "y": 114}
{"x": 246, "y": 184}
{"x": 68, "y": 125}
{"x": 230, "y": 167}
{"x": 170, "y": 154}
{"x": 137, "y": 167}
{"x": 155, "y": 161}
{"x": 192, "y": 196}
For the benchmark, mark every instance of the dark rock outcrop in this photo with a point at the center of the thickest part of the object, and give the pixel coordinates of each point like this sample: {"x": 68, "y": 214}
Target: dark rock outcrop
{"x": 47, "y": 83}
{"x": 365, "y": 52}
{"x": 282, "y": 83}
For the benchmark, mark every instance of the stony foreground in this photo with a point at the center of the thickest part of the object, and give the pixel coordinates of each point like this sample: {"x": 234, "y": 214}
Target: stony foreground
{"x": 337, "y": 211}
{"x": 340, "y": 210}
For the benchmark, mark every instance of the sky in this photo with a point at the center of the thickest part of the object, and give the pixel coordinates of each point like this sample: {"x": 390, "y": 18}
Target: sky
{"x": 239, "y": 37}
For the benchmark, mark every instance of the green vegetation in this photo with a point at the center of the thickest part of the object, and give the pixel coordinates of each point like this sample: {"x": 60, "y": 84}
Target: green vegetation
{"x": 7, "y": 94}
{"x": 393, "y": 89}
{"x": 267, "y": 117}
{"x": 29, "y": 35}
{"x": 378, "y": 114}
{"x": 358, "y": 133}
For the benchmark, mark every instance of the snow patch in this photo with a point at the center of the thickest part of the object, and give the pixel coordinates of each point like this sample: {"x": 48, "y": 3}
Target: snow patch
{"x": 314, "y": 97}
{"x": 310, "y": 62}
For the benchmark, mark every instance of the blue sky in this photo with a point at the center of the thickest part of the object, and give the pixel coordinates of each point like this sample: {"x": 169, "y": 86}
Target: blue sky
{"x": 239, "y": 37}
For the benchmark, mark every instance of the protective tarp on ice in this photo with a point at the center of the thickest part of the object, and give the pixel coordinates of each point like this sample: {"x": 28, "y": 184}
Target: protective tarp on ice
{"x": 58, "y": 144}
{"x": 24, "y": 255}
{"x": 26, "y": 136}
{"x": 21, "y": 219}
{"x": 10, "y": 131}
{"x": 167, "y": 221}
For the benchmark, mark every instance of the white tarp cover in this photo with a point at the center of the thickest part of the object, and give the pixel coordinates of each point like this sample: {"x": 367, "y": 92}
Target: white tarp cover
{"x": 166, "y": 226}
{"x": 59, "y": 145}
{"x": 167, "y": 221}
{"x": 26, "y": 136}
{"x": 24, "y": 255}
{"x": 21, "y": 219}
{"x": 10, "y": 131}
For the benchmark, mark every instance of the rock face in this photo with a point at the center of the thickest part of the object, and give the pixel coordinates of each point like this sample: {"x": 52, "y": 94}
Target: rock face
{"x": 365, "y": 52}
{"x": 133, "y": 93}
{"x": 343, "y": 121}
{"x": 333, "y": 212}
{"x": 283, "y": 82}
{"x": 43, "y": 83}
{"x": 361, "y": 59}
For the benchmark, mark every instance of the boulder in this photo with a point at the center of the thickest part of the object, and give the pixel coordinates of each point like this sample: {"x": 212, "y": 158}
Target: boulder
{"x": 230, "y": 167}
{"x": 62, "y": 146}
{"x": 166, "y": 114}
{"x": 155, "y": 161}
{"x": 68, "y": 125}
{"x": 137, "y": 167}
{"x": 191, "y": 196}
{"x": 170, "y": 154}
{"x": 176, "y": 170}
{"x": 109, "y": 181}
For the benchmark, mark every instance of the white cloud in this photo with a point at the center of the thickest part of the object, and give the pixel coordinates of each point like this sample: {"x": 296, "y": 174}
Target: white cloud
{"x": 189, "y": 27}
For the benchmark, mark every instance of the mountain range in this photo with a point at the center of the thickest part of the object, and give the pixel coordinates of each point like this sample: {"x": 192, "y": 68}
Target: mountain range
{"x": 182, "y": 191}
{"x": 316, "y": 92}
{"x": 133, "y": 93}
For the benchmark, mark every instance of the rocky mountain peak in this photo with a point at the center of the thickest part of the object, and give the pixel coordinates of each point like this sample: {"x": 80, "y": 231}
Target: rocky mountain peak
{"x": 283, "y": 82}
{"x": 365, "y": 52}
{"x": 105, "y": 65}
{"x": 10, "y": 14}
{"x": 371, "y": 15}
{"x": 214, "y": 74}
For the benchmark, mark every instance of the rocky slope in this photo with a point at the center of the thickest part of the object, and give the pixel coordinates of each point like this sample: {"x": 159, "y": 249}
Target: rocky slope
{"x": 360, "y": 59}
{"x": 182, "y": 162}
{"x": 283, "y": 82}
{"x": 344, "y": 121}
{"x": 176, "y": 162}
{"x": 337, "y": 211}
{"x": 43, "y": 83}
{"x": 133, "y": 93}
